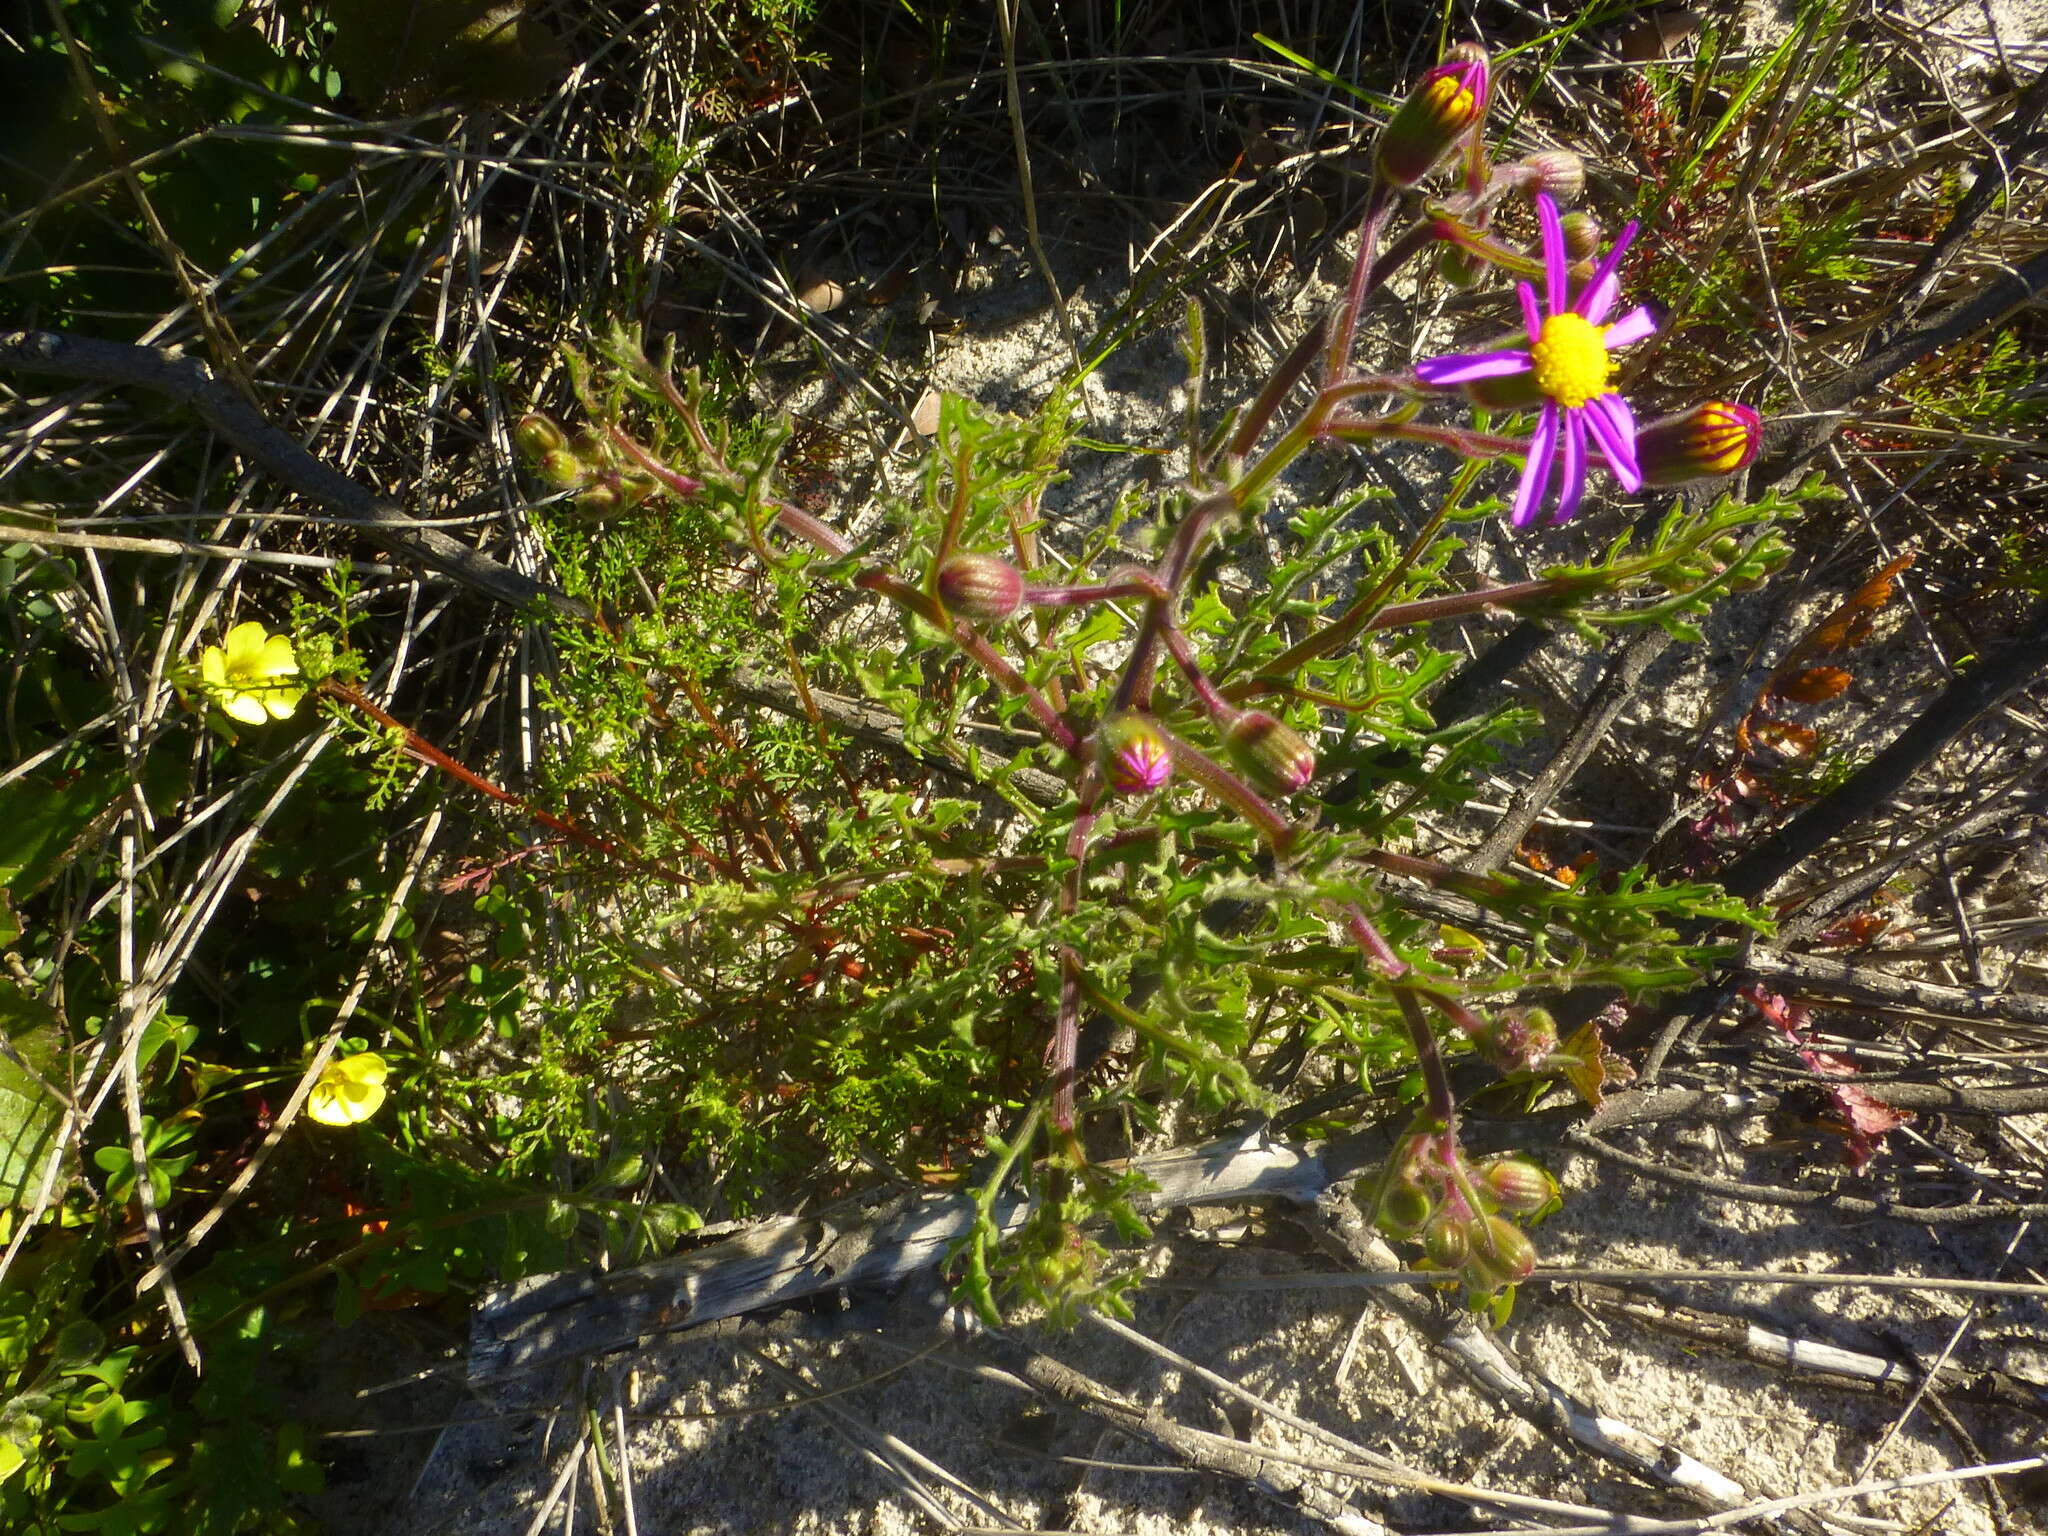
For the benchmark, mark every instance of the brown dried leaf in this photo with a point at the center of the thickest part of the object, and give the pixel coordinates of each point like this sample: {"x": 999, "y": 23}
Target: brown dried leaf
{"x": 1816, "y": 685}
{"x": 1851, "y": 623}
{"x": 1787, "y": 738}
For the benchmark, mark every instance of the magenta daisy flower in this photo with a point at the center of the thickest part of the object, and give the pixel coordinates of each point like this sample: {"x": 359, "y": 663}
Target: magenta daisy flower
{"x": 1567, "y": 359}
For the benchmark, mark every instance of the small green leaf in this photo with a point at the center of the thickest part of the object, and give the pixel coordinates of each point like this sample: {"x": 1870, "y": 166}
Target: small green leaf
{"x": 31, "y": 1069}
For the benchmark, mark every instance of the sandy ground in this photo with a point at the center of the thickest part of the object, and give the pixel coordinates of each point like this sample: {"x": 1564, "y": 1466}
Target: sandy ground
{"x": 1335, "y": 1357}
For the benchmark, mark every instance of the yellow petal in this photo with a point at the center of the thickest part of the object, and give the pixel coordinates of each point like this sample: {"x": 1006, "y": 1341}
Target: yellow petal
{"x": 246, "y": 708}
{"x": 244, "y": 645}
{"x": 276, "y": 659}
{"x": 282, "y": 701}
{"x": 365, "y": 1067}
{"x": 326, "y": 1106}
{"x": 348, "y": 1091}
{"x": 213, "y": 666}
{"x": 363, "y": 1100}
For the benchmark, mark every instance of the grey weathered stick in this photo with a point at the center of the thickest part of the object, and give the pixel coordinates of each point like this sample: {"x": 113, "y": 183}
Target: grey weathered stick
{"x": 188, "y": 381}
{"x": 1819, "y": 976}
{"x": 560, "y": 1317}
{"x": 1789, "y": 444}
{"x": 1618, "y": 680}
{"x": 1337, "y": 1225}
{"x": 1847, "y": 1368}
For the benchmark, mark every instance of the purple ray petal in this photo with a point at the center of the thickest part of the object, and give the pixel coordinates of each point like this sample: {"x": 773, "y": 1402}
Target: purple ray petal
{"x": 1531, "y": 315}
{"x": 1464, "y": 367}
{"x": 1614, "y": 428}
{"x": 1556, "y": 263}
{"x": 1634, "y": 326}
{"x": 1536, "y": 468}
{"x": 1605, "y": 287}
{"x": 1574, "y": 474}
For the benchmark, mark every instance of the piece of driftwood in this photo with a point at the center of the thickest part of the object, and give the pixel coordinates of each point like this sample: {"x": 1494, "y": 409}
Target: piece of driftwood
{"x": 551, "y": 1320}
{"x": 554, "y": 1319}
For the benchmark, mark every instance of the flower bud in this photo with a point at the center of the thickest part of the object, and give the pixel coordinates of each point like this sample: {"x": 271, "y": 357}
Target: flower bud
{"x": 1404, "y": 1209}
{"x": 1717, "y": 438}
{"x": 600, "y": 498}
{"x": 1582, "y": 235}
{"x": 537, "y": 435}
{"x": 1459, "y": 268}
{"x": 1135, "y": 756}
{"x": 1508, "y": 392}
{"x": 1269, "y": 753}
{"x": 980, "y": 588}
{"x": 1557, "y": 171}
{"x": 1522, "y": 1188}
{"x": 1446, "y": 1244}
{"x": 1446, "y": 101}
{"x": 559, "y": 468}
{"x": 1501, "y": 1255}
{"x": 1520, "y": 1039}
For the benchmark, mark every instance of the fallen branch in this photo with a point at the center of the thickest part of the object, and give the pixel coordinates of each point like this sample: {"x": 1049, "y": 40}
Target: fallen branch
{"x": 1340, "y": 1228}
{"x": 191, "y": 384}
{"x": 555, "y": 1318}
{"x": 1851, "y": 1370}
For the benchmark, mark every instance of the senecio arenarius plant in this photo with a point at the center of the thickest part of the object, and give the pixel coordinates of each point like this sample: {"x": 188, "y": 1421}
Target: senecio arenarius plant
{"x": 1185, "y": 903}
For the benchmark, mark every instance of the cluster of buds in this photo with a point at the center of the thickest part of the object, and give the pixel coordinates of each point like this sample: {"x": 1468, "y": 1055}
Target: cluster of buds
{"x": 582, "y": 466}
{"x": 1464, "y": 1212}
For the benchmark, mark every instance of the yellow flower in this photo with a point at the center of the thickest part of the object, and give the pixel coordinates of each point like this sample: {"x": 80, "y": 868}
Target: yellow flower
{"x": 348, "y": 1091}
{"x": 246, "y": 675}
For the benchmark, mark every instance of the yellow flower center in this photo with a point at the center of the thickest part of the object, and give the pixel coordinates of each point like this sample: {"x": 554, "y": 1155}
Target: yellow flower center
{"x": 1571, "y": 361}
{"x": 1450, "y": 101}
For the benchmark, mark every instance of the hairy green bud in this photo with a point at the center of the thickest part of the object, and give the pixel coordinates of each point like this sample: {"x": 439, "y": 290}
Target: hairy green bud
{"x": 1269, "y": 753}
{"x": 1501, "y": 1255}
{"x": 980, "y": 588}
{"x": 1521, "y": 1187}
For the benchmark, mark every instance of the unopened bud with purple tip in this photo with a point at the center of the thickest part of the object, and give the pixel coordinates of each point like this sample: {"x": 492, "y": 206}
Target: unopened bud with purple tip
{"x": 1501, "y": 1255}
{"x": 1135, "y": 756}
{"x": 1446, "y": 102}
{"x": 560, "y": 468}
{"x": 1269, "y": 753}
{"x": 1716, "y": 438}
{"x": 980, "y": 588}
